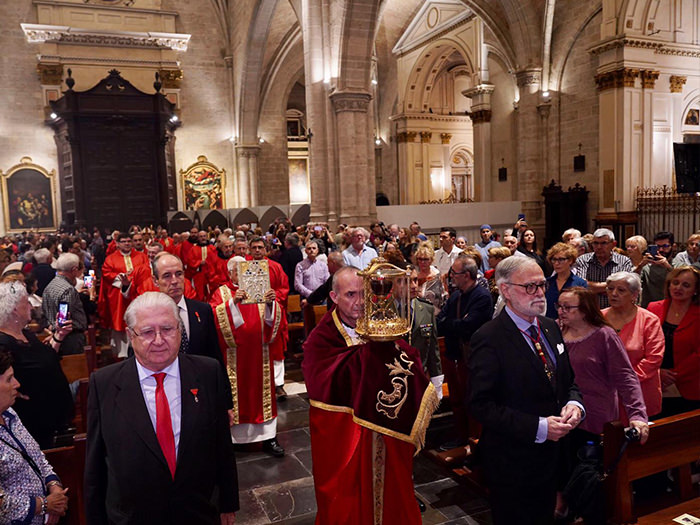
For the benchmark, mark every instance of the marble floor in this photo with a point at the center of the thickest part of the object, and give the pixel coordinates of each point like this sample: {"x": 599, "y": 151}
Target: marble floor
{"x": 281, "y": 490}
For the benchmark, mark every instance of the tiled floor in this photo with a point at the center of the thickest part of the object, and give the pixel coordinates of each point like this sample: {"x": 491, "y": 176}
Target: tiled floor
{"x": 282, "y": 490}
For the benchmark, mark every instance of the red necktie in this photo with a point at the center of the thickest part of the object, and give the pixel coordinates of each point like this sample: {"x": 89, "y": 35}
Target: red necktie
{"x": 164, "y": 426}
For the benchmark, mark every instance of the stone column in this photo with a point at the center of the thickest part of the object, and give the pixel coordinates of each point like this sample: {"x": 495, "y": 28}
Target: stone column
{"x": 481, "y": 121}
{"x": 530, "y": 174}
{"x": 353, "y": 129}
{"x": 425, "y": 183}
{"x": 445, "y": 139}
{"x": 247, "y": 157}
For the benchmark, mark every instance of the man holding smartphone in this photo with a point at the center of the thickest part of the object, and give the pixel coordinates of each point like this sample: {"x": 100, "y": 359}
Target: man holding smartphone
{"x": 658, "y": 264}
{"x": 61, "y": 292}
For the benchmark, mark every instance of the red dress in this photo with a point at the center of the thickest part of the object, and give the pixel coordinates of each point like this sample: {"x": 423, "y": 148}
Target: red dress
{"x": 370, "y": 407}
{"x": 111, "y": 304}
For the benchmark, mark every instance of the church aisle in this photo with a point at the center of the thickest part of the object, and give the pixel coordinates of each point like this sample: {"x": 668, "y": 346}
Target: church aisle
{"x": 281, "y": 491}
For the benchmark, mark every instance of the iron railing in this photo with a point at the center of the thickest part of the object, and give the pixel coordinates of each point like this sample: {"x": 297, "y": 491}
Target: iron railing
{"x": 662, "y": 209}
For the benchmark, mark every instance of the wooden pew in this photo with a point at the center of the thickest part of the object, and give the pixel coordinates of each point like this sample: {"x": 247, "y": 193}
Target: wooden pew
{"x": 674, "y": 442}
{"x": 312, "y": 315}
{"x": 75, "y": 367}
{"x": 69, "y": 464}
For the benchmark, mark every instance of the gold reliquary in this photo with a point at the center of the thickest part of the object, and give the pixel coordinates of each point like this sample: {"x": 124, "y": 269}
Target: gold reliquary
{"x": 387, "y": 302}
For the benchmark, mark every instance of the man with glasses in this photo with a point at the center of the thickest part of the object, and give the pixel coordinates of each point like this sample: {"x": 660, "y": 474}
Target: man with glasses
{"x": 524, "y": 395}
{"x": 159, "y": 448}
{"x": 602, "y": 262}
{"x": 656, "y": 269}
{"x": 448, "y": 252}
{"x": 466, "y": 310}
{"x": 358, "y": 254}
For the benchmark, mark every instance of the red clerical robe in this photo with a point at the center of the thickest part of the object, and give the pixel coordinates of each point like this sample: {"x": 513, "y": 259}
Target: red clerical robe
{"x": 111, "y": 304}
{"x": 197, "y": 269}
{"x": 370, "y": 408}
{"x": 246, "y": 343}
{"x": 280, "y": 284}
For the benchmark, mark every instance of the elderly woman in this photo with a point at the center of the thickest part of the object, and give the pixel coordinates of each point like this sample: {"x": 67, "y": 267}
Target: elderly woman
{"x": 691, "y": 255}
{"x": 640, "y": 332}
{"x": 561, "y": 256}
{"x": 430, "y": 285}
{"x": 680, "y": 317}
{"x": 33, "y": 491}
{"x": 635, "y": 247}
{"x": 310, "y": 273}
{"x": 496, "y": 255}
{"x": 46, "y": 405}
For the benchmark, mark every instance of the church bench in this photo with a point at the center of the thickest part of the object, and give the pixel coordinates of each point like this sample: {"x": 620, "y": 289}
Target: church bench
{"x": 674, "y": 443}
{"x": 69, "y": 464}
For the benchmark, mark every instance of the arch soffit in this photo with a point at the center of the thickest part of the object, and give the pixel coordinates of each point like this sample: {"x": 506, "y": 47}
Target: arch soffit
{"x": 560, "y": 66}
{"x": 290, "y": 51}
{"x": 497, "y": 23}
{"x": 428, "y": 67}
{"x": 253, "y": 70}
{"x": 357, "y": 34}
{"x": 639, "y": 14}
{"x": 461, "y": 150}
{"x": 496, "y": 54}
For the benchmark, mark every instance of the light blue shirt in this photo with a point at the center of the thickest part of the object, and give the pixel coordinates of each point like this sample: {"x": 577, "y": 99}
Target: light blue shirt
{"x": 359, "y": 260}
{"x": 172, "y": 387}
{"x": 523, "y": 326}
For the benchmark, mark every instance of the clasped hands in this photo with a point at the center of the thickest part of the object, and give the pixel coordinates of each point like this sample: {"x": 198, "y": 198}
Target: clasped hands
{"x": 56, "y": 503}
{"x": 560, "y": 426}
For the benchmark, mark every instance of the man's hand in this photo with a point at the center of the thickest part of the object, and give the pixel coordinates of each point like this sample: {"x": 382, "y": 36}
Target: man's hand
{"x": 270, "y": 296}
{"x": 571, "y": 414}
{"x": 668, "y": 378}
{"x": 303, "y": 303}
{"x": 228, "y": 518}
{"x": 57, "y": 501}
{"x": 556, "y": 429}
{"x": 657, "y": 260}
{"x": 230, "y": 417}
{"x": 64, "y": 328}
{"x": 597, "y": 287}
{"x": 241, "y": 295}
{"x": 643, "y": 429}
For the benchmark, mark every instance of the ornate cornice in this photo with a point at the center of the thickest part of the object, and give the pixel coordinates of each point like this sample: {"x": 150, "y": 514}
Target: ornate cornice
{"x": 480, "y": 116}
{"x": 153, "y": 64}
{"x": 445, "y": 138}
{"x": 356, "y": 101}
{"x": 430, "y": 116}
{"x": 425, "y": 136}
{"x": 41, "y": 33}
{"x": 171, "y": 78}
{"x": 50, "y": 74}
{"x": 661, "y": 48}
{"x": 649, "y": 78}
{"x": 623, "y": 77}
{"x": 677, "y": 82}
{"x": 481, "y": 89}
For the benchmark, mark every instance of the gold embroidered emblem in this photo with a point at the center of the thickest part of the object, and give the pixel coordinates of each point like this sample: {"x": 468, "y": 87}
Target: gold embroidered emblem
{"x": 390, "y": 403}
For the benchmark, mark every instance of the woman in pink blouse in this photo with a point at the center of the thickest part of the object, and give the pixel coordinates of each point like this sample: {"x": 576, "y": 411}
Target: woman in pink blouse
{"x": 640, "y": 332}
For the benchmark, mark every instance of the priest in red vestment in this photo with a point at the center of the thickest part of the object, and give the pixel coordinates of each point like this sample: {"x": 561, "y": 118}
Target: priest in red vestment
{"x": 114, "y": 290}
{"x": 280, "y": 284}
{"x": 245, "y": 332}
{"x": 142, "y": 280}
{"x": 371, "y": 404}
{"x": 196, "y": 267}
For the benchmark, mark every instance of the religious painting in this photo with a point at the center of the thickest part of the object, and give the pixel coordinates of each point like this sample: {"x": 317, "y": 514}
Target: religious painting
{"x": 203, "y": 185}
{"x": 299, "y": 191}
{"x": 28, "y": 197}
{"x": 254, "y": 279}
{"x": 692, "y": 118}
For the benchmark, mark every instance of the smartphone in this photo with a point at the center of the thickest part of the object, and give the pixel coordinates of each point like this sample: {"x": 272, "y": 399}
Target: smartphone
{"x": 521, "y": 216}
{"x": 89, "y": 281}
{"x": 653, "y": 249}
{"x": 62, "y": 312}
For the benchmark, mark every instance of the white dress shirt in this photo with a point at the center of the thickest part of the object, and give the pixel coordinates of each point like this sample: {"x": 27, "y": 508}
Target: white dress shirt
{"x": 173, "y": 391}
{"x": 184, "y": 316}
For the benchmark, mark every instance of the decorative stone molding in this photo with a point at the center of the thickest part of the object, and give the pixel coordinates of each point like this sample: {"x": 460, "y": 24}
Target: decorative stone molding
{"x": 480, "y": 116}
{"x": 41, "y": 33}
{"x": 445, "y": 138}
{"x": 434, "y": 117}
{"x": 401, "y": 137}
{"x": 659, "y": 48}
{"x": 481, "y": 89}
{"x": 50, "y": 74}
{"x": 247, "y": 152}
{"x": 624, "y": 77}
{"x": 171, "y": 78}
{"x": 425, "y": 136}
{"x": 109, "y": 61}
{"x": 526, "y": 77}
{"x": 411, "y": 136}
{"x": 544, "y": 110}
{"x": 649, "y": 78}
{"x": 677, "y": 82}
{"x": 356, "y": 101}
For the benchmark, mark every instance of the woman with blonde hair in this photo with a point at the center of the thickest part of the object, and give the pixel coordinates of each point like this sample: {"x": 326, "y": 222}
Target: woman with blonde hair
{"x": 429, "y": 282}
{"x": 635, "y": 247}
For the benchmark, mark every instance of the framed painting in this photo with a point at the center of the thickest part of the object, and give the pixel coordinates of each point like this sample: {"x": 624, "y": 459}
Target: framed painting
{"x": 203, "y": 186}
{"x": 28, "y": 194}
{"x": 299, "y": 191}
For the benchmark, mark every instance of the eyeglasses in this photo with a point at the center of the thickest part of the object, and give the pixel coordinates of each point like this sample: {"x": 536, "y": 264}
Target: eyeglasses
{"x": 559, "y": 259}
{"x": 149, "y": 334}
{"x": 565, "y": 307}
{"x": 531, "y": 288}
{"x": 422, "y": 258}
{"x": 452, "y": 272}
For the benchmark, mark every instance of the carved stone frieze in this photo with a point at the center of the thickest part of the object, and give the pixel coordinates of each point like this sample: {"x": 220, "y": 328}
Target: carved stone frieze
{"x": 677, "y": 82}
{"x": 623, "y": 77}
{"x": 445, "y": 138}
{"x": 50, "y": 74}
{"x": 357, "y": 101}
{"x": 480, "y": 116}
{"x": 649, "y": 78}
{"x": 526, "y": 77}
{"x": 171, "y": 78}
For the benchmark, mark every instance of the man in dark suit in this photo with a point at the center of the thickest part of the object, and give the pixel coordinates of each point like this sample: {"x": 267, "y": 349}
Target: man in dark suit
{"x": 159, "y": 447}
{"x": 523, "y": 393}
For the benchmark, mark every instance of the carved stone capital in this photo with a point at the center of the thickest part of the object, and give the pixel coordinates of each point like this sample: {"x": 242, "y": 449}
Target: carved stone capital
{"x": 425, "y": 136}
{"x": 411, "y": 136}
{"x": 649, "y": 78}
{"x": 526, "y": 77}
{"x": 481, "y": 89}
{"x": 623, "y": 77}
{"x": 677, "y": 82}
{"x": 357, "y": 101}
{"x": 544, "y": 110}
{"x": 480, "y": 116}
{"x": 247, "y": 152}
{"x": 445, "y": 138}
{"x": 401, "y": 137}
{"x": 50, "y": 74}
{"x": 171, "y": 78}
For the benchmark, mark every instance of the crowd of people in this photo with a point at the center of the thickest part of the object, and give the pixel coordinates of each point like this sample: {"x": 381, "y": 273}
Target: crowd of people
{"x": 620, "y": 319}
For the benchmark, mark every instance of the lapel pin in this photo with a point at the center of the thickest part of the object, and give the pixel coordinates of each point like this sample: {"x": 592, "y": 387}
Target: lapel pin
{"x": 199, "y": 320}
{"x": 194, "y": 393}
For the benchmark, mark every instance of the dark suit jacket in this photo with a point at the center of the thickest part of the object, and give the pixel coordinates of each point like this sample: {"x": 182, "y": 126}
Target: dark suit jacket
{"x": 127, "y": 480}
{"x": 203, "y": 338}
{"x": 509, "y": 392}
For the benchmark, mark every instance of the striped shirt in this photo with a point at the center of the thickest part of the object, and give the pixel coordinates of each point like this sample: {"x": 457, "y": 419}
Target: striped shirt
{"x": 588, "y": 267}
